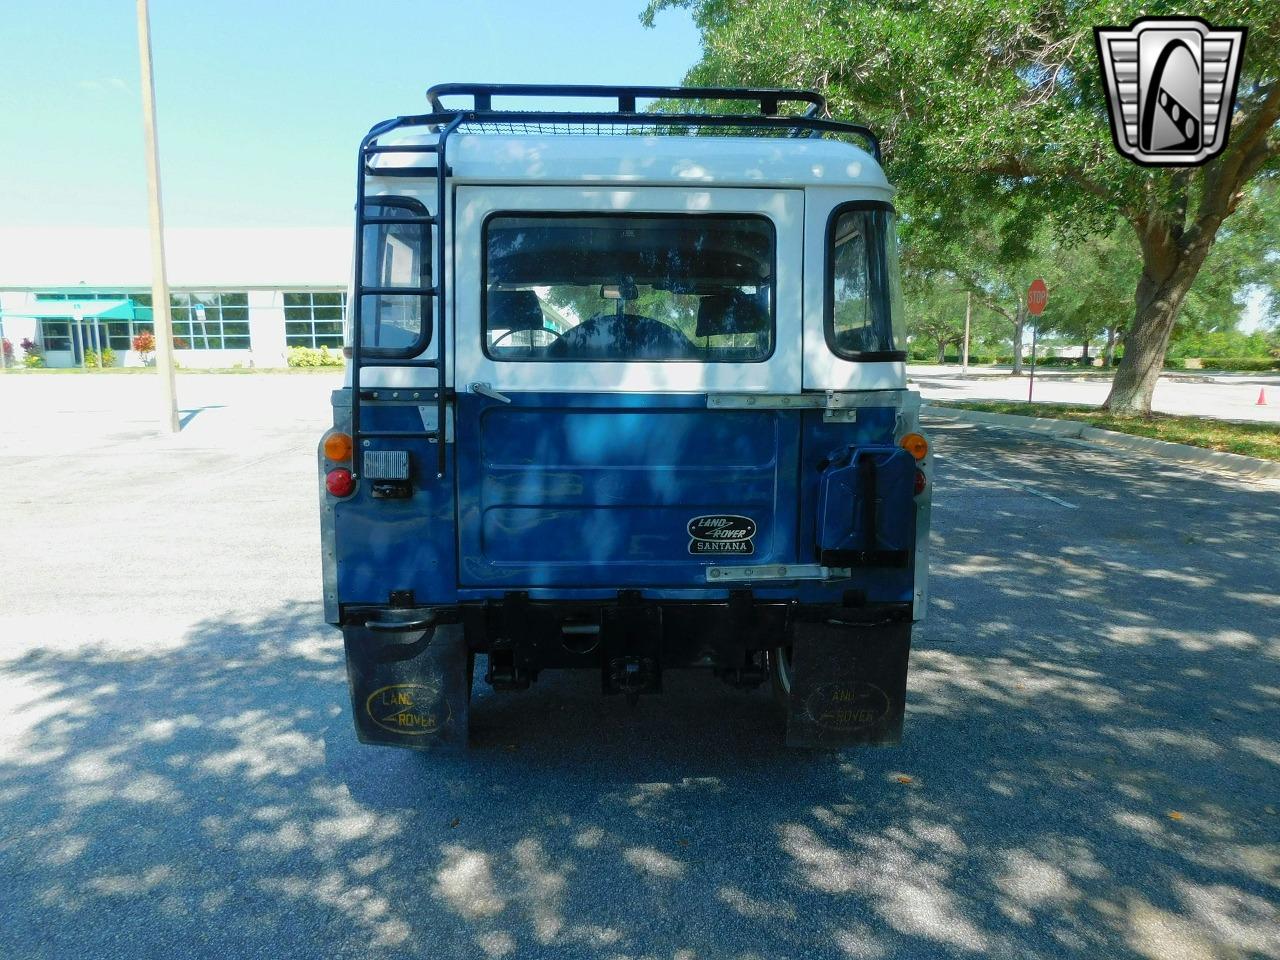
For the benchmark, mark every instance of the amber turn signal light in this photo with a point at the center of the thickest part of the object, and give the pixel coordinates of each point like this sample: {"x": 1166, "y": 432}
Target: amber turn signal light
{"x": 915, "y": 445}
{"x": 337, "y": 446}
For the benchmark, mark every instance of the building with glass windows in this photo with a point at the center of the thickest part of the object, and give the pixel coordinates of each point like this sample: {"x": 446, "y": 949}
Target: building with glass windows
{"x": 238, "y": 297}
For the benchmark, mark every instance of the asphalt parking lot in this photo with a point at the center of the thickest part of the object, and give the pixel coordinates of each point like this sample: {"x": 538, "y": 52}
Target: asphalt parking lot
{"x": 1091, "y": 765}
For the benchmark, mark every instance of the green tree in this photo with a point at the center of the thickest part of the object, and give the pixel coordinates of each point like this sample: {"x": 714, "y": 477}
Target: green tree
{"x": 997, "y": 104}
{"x": 936, "y": 307}
{"x": 977, "y": 252}
{"x": 935, "y": 315}
{"x": 1244, "y": 261}
{"x": 1091, "y": 285}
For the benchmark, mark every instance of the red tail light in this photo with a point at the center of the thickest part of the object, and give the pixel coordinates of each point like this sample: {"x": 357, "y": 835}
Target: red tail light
{"x": 921, "y": 482}
{"x": 339, "y": 482}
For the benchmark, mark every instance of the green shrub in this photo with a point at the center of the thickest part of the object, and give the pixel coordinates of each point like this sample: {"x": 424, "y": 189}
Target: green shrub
{"x": 975, "y": 359}
{"x": 1061, "y": 362}
{"x": 1242, "y": 364}
{"x": 33, "y": 360}
{"x": 309, "y": 357}
{"x": 1226, "y": 343}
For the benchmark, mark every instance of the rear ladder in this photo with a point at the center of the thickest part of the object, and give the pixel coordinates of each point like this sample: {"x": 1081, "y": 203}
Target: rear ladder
{"x": 370, "y": 148}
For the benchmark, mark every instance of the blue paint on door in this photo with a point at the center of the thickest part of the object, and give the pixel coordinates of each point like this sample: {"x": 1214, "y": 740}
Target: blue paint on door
{"x": 586, "y": 490}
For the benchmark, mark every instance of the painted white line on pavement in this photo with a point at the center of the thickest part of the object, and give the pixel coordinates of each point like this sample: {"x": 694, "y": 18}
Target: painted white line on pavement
{"x": 1015, "y": 484}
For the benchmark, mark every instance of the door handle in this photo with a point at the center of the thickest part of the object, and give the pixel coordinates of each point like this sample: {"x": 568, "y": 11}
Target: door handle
{"x": 484, "y": 390}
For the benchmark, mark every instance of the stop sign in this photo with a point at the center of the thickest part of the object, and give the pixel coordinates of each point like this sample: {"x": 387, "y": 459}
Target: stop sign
{"x": 1037, "y": 297}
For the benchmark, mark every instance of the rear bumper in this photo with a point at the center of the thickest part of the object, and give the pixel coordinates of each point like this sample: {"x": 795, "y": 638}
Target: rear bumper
{"x": 410, "y": 675}
{"x": 680, "y": 633}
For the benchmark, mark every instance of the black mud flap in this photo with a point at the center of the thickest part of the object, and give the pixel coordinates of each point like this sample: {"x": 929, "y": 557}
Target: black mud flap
{"x": 410, "y": 687}
{"x": 848, "y": 679}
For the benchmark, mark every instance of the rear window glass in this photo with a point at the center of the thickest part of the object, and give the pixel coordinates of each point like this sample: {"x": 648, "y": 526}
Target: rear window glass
{"x": 864, "y": 319}
{"x": 626, "y": 287}
{"x": 396, "y": 255}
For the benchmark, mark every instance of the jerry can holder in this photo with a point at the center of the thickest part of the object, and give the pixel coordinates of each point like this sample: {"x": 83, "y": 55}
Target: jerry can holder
{"x": 848, "y": 676}
{"x": 409, "y": 675}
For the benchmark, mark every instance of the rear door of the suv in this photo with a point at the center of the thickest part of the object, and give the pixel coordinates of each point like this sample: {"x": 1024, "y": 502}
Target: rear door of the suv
{"x": 608, "y": 346}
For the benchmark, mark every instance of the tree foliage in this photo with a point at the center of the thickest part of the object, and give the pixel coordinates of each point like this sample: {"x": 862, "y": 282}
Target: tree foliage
{"x": 997, "y": 106}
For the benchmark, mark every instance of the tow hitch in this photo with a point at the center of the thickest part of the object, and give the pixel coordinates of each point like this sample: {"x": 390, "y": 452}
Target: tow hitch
{"x": 633, "y": 676}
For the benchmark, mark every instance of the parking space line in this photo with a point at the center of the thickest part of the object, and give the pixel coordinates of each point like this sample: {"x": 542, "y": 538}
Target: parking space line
{"x": 1015, "y": 484}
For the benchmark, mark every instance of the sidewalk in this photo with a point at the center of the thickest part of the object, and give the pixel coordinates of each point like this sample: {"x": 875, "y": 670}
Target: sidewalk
{"x": 1004, "y": 371}
{"x": 1223, "y": 396}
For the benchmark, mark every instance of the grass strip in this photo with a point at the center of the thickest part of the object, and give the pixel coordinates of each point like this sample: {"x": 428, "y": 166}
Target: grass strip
{"x": 1228, "y": 436}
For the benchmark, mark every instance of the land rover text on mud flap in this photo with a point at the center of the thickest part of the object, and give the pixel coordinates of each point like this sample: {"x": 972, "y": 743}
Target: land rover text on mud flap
{"x": 626, "y": 392}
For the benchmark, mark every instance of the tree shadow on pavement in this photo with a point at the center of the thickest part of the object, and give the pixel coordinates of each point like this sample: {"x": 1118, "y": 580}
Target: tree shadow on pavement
{"x": 1089, "y": 769}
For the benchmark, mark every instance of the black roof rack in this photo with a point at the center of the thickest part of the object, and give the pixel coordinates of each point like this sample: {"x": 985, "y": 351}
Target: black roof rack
{"x": 479, "y": 112}
{"x": 482, "y": 95}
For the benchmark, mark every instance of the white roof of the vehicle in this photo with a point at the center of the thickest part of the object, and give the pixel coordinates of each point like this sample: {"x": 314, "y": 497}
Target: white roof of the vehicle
{"x": 657, "y": 159}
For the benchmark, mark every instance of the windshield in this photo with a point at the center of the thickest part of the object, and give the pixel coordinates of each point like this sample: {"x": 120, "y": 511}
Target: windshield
{"x": 626, "y": 287}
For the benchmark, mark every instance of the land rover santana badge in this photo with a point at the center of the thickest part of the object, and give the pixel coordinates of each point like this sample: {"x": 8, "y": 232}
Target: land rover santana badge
{"x": 720, "y": 534}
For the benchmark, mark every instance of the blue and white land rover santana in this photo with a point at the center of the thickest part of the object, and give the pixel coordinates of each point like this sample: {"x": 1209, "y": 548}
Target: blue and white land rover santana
{"x": 626, "y": 393}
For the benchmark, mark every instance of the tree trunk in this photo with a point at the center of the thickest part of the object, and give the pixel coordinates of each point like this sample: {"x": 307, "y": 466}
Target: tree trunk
{"x": 942, "y": 352}
{"x": 1109, "y": 351}
{"x": 1084, "y": 357}
{"x": 1019, "y": 325}
{"x": 1147, "y": 341}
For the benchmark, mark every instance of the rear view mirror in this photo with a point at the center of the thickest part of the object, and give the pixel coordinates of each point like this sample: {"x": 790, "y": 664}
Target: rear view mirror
{"x": 626, "y": 291}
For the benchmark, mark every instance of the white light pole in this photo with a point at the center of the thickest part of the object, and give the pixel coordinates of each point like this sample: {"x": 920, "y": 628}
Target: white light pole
{"x": 968, "y": 312}
{"x": 77, "y": 310}
{"x": 162, "y": 326}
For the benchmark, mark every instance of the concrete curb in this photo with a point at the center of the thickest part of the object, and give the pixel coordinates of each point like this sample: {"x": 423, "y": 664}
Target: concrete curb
{"x": 1249, "y": 468}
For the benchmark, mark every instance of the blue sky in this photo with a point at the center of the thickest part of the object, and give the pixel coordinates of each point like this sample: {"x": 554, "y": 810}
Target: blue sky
{"x": 262, "y": 104}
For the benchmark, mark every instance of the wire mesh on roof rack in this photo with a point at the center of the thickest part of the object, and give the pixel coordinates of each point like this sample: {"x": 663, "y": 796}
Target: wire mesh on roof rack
{"x": 629, "y": 129}
{"x": 673, "y": 111}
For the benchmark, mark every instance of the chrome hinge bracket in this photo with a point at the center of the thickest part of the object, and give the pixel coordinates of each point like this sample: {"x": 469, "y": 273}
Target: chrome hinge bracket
{"x": 776, "y": 571}
{"x": 837, "y": 407}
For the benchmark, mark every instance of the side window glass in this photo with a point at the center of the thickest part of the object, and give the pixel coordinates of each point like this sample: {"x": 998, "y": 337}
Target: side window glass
{"x": 852, "y": 330}
{"x": 396, "y": 255}
{"x": 864, "y": 303}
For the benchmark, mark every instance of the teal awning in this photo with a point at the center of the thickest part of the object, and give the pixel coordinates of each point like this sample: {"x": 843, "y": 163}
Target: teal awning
{"x": 70, "y": 309}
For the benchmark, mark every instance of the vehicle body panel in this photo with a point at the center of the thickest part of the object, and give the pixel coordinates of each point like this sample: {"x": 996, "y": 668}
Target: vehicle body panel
{"x": 623, "y": 514}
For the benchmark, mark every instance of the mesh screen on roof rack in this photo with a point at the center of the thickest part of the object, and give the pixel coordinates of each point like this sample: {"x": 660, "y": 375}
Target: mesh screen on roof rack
{"x": 632, "y": 129}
